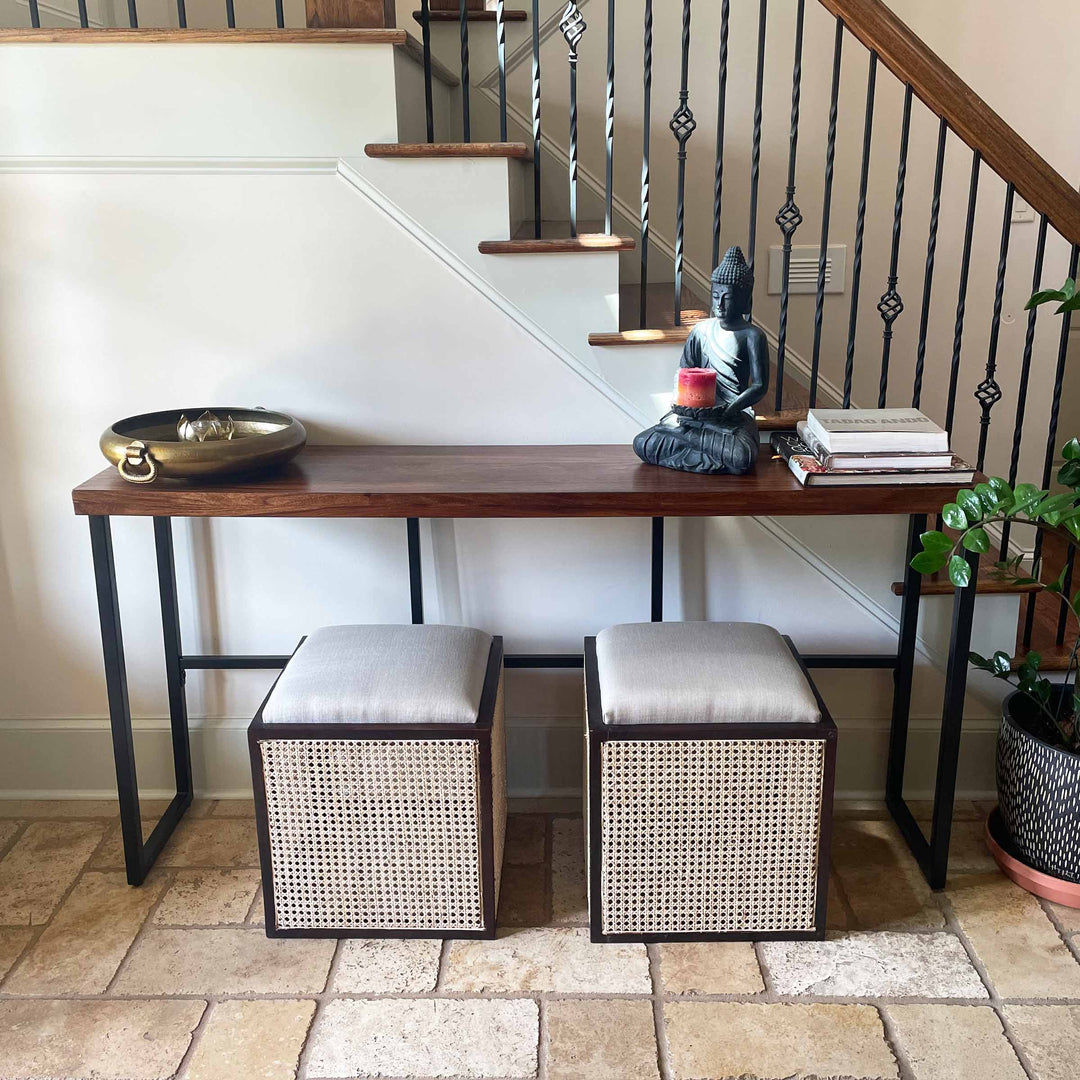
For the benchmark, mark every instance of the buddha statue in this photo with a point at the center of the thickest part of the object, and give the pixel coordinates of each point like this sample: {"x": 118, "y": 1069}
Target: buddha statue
{"x": 723, "y": 438}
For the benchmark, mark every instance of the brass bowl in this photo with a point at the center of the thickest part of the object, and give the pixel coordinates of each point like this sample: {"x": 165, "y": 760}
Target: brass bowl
{"x": 146, "y": 447}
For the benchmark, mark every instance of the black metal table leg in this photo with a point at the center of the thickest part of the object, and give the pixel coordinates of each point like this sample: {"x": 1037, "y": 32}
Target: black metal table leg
{"x": 657, "y": 569}
{"x": 416, "y": 581}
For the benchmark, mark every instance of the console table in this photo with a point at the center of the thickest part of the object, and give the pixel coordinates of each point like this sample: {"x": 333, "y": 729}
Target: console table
{"x": 413, "y": 482}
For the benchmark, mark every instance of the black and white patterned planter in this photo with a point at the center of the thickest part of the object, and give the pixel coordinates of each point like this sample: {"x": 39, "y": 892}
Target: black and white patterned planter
{"x": 1039, "y": 796}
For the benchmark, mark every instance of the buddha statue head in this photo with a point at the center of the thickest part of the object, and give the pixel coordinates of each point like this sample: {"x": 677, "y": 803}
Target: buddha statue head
{"x": 732, "y": 287}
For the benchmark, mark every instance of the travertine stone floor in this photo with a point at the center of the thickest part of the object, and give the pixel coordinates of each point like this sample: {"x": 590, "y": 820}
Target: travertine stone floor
{"x": 177, "y": 979}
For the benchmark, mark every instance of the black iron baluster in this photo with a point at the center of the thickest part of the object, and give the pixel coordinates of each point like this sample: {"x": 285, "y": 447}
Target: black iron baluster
{"x": 931, "y": 255}
{"x": 279, "y": 12}
{"x": 181, "y": 13}
{"x": 1051, "y": 438}
{"x": 860, "y": 227}
{"x": 536, "y": 113}
{"x": 230, "y": 14}
{"x": 609, "y": 121}
{"x": 133, "y": 15}
{"x": 755, "y": 150}
{"x": 646, "y": 139}
{"x": 84, "y": 19}
{"x": 721, "y": 119}
{"x": 500, "y": 45}
{"x": 463, "y": 16}
{"x": 988, "y": 393}
{"x": 573, "y": 26}
{"x": 790, "y": 218}
{"x": 682, "y": 126}
{"x": 826, "y": 210}
{"x": 425, "y": 36}
{"x": 891, "y": 306}
{"x": 1025, "y": 374}
{"x": 961, "y": 303}
{"x": 35, "y": 15}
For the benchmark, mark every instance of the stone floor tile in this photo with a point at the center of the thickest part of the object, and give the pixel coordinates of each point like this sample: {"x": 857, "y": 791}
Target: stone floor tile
{"x": 523, "y": 899}
{"x": 253, "y": 1040}
{"x": 1022, "y": 951}
{"x": 40, "y": 868}
{"x": 709, "y": 967}
{"x": 601, "y": 1040}
{"x": 1067, "y": 917}
{"x": 227, "y": 961}
{"x": 569, "y": 900}
{"x": 234, "y": 808}
{"x": 968, "y": 853}
{"x": 7, "y": 830}
{"x": 860, "y": 810}
{"x": 712, "y": 1040}
{"x": 208, "y": 898}
{"x": 257, "y": 913}
{"x": 560, "y": 960}
{"x": 424, "y": 1037}
{"x": 206, "y": 842}
{"x": 69, "y": 809}
{"x": 1049, "y": 1036}
{"x": 526, "y": 839}
{"x": 95, "y": 1040}
{"x": 387, "y": 966}
{"x": 81, "y": 949}
{"x": 963, "y": 810}
{"x": 955, "y": 1042}
{"x": 873, "y": 965}
{"x": 867, "y": 853}
{"x": 13, "y": 939}
{"x": 838, "y": 915}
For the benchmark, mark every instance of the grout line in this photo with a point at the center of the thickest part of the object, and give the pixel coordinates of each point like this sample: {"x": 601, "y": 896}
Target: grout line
{"x": 663, "y": 1052}
{"x": 896, "y": 1045}
{"x": 169, "y": 877}
{"x": 195, "y": 1040}
{"x": 1065, "y": 935}
{"x": 1015, "y": 1043}
{"x": 543, "y": 1047}
{"x": 444, "y": 956}
{"x": 16, "y": 836}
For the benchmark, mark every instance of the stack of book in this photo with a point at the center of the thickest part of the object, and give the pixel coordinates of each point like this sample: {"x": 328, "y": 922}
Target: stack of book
{"x": 870, "y": 446}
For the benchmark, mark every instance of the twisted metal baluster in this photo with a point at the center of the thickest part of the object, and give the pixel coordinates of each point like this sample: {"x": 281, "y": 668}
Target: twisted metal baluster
{"x": 860, "y": 227}
{"x": 755, "y": 152}
{"x": 609, "y": 121}
{"x": 931, "y": 256}
{"x": 181, "y": 13}
{"x": 35, "y": 16}
{"x": 826, "y": 210}
{"x": 84, "y": 19}
{"x": 463, "y": 15}
{"x": 1025, "y": 374}
{"x": 230, "y": 14}
{"x": 790, "y": 217}
{"x": 279, "y": 11}
{"x": 500, "y": 44}
{"x": 646, "y": 138}
{"x": 891, "y": 306}
{"x": 1051, "y": 438}
{"x": 682, "y": 126}
{"x": 988, "y": 393}
{"x": 721, "y": 119}
{"x": 573, "y": 26}
{"x": 536, "y": 113}
{"x": 133, "y": 15}
{"x": 961, "y": 303}
{"x": 425, "y": 34}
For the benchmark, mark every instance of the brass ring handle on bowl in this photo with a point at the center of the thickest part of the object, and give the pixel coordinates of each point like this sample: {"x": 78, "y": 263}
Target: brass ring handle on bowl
{"x": 137, "y": 455}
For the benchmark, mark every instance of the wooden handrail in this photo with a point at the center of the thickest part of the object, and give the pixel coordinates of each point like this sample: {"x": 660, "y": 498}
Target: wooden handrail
{"x": 912, "y": 61}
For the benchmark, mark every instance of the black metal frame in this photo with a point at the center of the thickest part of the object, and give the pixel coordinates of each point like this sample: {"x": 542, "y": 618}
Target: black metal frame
{"x": 600, "y": 733}
{"x": 481, "y": 732}
{"x": 139, "y": 855}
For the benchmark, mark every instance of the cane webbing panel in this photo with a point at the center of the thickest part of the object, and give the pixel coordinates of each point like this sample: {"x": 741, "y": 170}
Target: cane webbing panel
{"x": 710, "y": 836}
{"x": 374, "y": 834}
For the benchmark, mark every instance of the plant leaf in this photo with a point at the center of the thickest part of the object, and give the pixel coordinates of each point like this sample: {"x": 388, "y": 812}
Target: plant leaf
{"x": 1025, "y": 496}
{"x": 1033, "y": 660}
{"x": 1045, "y": 297}
{"x": 935, "y": 541}
{"x": 1072, "y": 304}
{"x": 1069, "y": 474}
{"x": 1069, "y": 288}
{"x": 990, "y": 498}
{"x": 929, "y": 562}
{"x": 959, "y": 571}
{"x": 954, "y": 517}
{"x": 976, "y": 540}
{"x": 978, "y": 661}
{"x": 971, "y": 504}
{"x": 1001, "y": 663}
{"x": 1071, "y": 450}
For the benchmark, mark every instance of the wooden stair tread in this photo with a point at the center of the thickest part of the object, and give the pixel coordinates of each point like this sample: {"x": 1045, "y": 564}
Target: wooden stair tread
{"x": 583, "y": 242}
{"x": 517, "y": 15}
{"x": 448, "y": 150}
{"x": 940, "y": 585}
{"x": 140, "y": 35}
{"x": 1053, "y": 657}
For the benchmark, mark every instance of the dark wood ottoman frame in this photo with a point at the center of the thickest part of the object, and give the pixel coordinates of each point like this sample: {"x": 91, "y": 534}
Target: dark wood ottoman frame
{"x": 599, "y": 733}
{"x": 481, "y": 731}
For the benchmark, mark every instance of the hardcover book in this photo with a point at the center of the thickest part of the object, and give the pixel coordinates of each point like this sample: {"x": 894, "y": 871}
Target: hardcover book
{"x": 876, "y": 431}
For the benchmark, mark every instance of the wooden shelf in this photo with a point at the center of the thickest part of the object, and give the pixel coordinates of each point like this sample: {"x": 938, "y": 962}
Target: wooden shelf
{"x": 448, "y": 150}
{"x": 493, "y": 482}
{"x": 517, "y": 15}
{"x": 584, "y": 243}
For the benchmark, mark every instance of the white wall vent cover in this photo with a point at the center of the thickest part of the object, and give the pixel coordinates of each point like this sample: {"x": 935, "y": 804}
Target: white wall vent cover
{"x": 804, "y": 268}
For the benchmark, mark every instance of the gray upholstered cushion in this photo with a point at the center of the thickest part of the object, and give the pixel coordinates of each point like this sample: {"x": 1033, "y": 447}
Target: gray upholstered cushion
{"x": 701, "y": 673}
{"x": 383, "y": 675}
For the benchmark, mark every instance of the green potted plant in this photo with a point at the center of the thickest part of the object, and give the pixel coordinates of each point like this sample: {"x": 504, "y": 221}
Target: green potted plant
{"x": 1035, "y": 833}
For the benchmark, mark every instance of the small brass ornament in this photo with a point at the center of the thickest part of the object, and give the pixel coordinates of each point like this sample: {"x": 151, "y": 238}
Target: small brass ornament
{"x": 206, "y": 428}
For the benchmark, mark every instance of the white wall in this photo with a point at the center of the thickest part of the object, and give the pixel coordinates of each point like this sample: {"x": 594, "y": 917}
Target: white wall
{"x": 227, "y": 255}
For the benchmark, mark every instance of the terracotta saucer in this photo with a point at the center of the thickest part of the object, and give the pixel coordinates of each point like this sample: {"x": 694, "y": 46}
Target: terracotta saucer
{"x": 1056, "y": 890}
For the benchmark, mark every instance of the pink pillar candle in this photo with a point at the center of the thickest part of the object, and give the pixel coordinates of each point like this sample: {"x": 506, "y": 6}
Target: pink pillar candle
{"x": 695, "y": 388}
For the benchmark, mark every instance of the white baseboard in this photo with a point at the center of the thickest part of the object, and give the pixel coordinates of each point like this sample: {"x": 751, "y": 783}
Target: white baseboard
{"x": 72, "y": 758}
